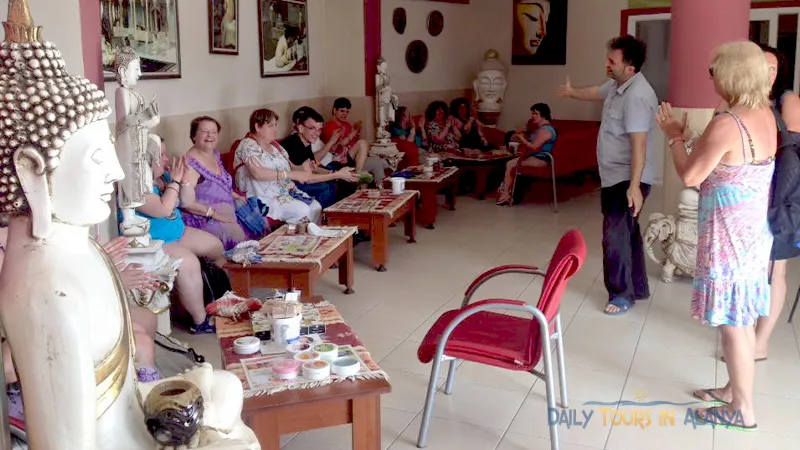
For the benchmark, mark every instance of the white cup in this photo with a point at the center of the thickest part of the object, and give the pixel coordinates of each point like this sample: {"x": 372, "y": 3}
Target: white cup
{"x": 398, "y": 185}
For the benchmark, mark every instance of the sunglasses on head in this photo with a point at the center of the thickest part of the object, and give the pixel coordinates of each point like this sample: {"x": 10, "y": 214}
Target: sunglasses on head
{"x": 711, "y": 72}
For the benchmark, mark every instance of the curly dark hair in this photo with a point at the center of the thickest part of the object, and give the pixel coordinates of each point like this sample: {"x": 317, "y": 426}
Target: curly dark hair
{"x": 430, "y": 112}
{"x": 634, "y": 51}
{"x": 456, "y": 104}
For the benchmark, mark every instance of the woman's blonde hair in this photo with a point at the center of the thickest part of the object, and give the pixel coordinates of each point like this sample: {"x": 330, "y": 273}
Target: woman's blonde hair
{"x": 741, "y": 74}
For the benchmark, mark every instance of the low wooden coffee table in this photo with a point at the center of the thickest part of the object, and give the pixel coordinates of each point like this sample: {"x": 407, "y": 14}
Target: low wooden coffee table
{"x": 374, "y": 215}
{"x": 354, "y": 402}
{"x": 482, "y": 164}
{"x": 281, "y": 270}
{"x": 429, "y": 186}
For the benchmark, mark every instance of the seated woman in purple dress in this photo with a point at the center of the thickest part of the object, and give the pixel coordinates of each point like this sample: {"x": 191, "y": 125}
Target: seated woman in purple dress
{"x": 207, "y": 197}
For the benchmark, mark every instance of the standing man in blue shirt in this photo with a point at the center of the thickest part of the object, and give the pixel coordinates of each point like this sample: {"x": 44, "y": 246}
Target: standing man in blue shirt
{"x": 624, "y": 148}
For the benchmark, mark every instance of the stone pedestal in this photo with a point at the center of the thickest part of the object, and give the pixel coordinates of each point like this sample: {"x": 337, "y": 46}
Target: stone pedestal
{"x": 388, "y": 151}
{"x": 489, "y": 118}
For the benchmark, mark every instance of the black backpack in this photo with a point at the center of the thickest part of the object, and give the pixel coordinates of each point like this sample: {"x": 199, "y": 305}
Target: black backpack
{"x": 784, "y": 207}
{"x": 215, "y": 281}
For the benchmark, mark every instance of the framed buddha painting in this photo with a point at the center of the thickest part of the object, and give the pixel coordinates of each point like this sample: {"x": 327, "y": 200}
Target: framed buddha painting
{"x": 283, "y": 37}
{"x": 150, "y": 27}
{"x": 223, "y": 27}
{"x": 539, "y": 32}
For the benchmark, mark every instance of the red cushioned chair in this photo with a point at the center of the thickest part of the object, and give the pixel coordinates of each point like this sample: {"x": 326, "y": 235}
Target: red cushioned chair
{"x": 479, "y": 334}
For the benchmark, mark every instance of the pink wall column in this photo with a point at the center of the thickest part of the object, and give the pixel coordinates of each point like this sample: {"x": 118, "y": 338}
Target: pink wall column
{"x": 372, "y": 42}
{"x": 91, "y": 41}
{"x": 698, "y": 27}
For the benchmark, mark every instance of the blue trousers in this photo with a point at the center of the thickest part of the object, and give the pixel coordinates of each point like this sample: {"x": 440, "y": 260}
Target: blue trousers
{"x": 324, "y": 193}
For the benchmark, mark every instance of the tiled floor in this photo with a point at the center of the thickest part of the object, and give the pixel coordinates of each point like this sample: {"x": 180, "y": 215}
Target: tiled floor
{"x": 654, "y": 353}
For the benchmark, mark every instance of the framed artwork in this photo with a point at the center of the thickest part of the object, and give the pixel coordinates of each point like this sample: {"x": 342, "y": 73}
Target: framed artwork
{"x": 283, "y": 37}
{"x": 223, "y": 27}
{"x": 150, "y": 27}
{"x": 540, "y": 32}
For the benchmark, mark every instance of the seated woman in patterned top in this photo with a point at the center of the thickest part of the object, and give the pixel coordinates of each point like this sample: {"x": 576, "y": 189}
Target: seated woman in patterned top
{"x": 441, "y": 129}
{"x": 540, "y": 141}
{"x": 270, "y": 176}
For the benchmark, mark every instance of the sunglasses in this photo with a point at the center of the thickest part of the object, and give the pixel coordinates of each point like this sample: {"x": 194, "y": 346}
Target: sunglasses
{"x": 711, "y": 72}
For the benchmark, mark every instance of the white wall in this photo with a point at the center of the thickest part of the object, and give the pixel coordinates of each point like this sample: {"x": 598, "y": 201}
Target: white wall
{"x": 470, "y": 30}
{"x": 60, "y": 20}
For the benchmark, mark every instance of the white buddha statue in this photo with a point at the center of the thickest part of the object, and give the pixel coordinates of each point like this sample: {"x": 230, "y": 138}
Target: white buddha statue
{"x": 135, "y": 118}
{"x": 386, "y": 102}
{"x": 490, "y": 87}
{"x": 62, "y": 304}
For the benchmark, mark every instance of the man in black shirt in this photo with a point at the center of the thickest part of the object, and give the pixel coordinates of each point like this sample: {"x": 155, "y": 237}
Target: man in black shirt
{"x": 308, "y": 126}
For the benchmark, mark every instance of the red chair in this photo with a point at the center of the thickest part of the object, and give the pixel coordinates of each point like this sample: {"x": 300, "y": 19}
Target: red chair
{"x": 476, "y": 333}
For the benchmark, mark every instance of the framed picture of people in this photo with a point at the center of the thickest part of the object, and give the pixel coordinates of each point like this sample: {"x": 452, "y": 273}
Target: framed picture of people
{"x": 539, "y": 32}
{"x": 223, "y": 27}
{"x": 150, "y": 27}
{"x": 283, "y": 37}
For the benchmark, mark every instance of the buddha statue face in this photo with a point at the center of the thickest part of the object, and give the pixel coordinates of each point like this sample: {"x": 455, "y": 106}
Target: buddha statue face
{"x": 128, "y": 67}
{"x": 530, "y": 25}
{"x": 490, "y": 86}
{"x": 82, "y": 185}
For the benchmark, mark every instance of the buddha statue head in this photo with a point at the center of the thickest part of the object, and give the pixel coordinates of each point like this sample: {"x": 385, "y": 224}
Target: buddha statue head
{"x": 127, "y": 67}
{"x": 490, "y": 87}
{"x": 57, "y": 157}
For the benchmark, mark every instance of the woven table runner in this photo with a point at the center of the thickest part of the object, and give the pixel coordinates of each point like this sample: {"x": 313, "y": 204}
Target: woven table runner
{"x": 272, "y": 253}
{"x": 494, "y": 155}
{"x": 337, "y": 332}
{"x": 436, "y": 176}
{"x": 360, "y": 202}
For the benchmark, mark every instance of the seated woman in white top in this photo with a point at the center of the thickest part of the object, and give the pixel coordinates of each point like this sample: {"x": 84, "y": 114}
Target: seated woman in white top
{"x": 268, "y": 174}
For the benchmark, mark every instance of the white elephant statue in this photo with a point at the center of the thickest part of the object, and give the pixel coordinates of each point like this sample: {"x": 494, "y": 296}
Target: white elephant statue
{"x": 678, "y": 238}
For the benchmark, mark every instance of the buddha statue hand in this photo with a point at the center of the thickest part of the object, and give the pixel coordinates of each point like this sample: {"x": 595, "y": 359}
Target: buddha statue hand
{"x": 223, "y": 395}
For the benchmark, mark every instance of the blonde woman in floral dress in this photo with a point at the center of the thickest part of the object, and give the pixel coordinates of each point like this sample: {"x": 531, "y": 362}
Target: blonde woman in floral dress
{"x": 262, "y": 169}
{"x": 732, "y": 162}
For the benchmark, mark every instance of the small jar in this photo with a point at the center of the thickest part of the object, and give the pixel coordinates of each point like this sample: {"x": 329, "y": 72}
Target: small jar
{"x": 291, "y": 228}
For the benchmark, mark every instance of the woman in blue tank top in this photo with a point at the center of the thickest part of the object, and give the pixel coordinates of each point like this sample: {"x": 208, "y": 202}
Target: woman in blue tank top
{"x": 188, "y": 244}
{"x": 532, "y": 147}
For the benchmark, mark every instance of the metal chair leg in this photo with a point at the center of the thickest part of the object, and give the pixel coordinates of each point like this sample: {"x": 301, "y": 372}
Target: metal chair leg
{"x": 551, "y": 401}
{"x": 562, "y": 368}
{"x": 794, "y": 306}
{"x": 422, "y": 440}
{"x": 553, "y": 178}
{"x": 451, "y": 377}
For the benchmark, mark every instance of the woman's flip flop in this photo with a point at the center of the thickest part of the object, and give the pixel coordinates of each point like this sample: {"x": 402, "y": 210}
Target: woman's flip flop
{"x": 715, "y": 399}
{"x": 717, "y": 417}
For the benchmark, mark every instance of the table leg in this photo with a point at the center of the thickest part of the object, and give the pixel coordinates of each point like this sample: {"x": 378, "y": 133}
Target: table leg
{"x": 302, "y": 282}
{"x": 411, "y": 225}
{"x": 240, "y": 282}
{"x": 367, "y": 423}
{"x": 450, "y": 196}
{"x": 379, "y": 229}
{"x": 346, "y": 268}
{"x": 265, "y": 426}
{"x": 429, "y": 207}
{"x": 481, "y": 181}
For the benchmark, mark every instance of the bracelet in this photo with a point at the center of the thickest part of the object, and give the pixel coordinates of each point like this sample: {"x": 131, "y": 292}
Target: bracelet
{"x": 672, "y": 142}
{"x": 177, "y": 190}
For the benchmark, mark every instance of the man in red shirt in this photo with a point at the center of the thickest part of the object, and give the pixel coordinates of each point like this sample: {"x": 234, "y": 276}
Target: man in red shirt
{"x": 350, "y": 150}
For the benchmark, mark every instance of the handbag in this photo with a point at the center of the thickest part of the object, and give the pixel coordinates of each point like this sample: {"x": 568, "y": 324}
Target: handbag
{"x": 249, "y": 215}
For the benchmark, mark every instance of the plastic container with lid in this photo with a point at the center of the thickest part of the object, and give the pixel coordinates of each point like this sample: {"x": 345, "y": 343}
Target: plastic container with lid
{"x": 327, "y": 351}
{"x": 316, "y": 370}
{"x": 346, "y": 367}
{"x": 286, "y": 369}
{"x": 307, "y": 356}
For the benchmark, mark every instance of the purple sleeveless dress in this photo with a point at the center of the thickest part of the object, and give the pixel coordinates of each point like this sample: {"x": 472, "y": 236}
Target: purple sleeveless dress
{"x": 216, "y": 191}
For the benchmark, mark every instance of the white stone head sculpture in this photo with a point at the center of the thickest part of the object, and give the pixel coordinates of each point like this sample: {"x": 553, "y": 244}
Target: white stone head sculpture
{"x": 56, "y": 151}
{"x": 127, "y": 67}
{"x": 490, "y": 84}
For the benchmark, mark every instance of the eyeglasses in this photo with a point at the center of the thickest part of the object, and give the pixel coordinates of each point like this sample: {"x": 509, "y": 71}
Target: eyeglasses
{"x": 312, "y": 129}
{"x": 711, "y": 72}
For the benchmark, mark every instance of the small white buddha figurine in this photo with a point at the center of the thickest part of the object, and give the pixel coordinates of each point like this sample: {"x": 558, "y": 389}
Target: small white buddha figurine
{"x": 386, "y": 103}
{"x": 490, "y": 87}
{"x": 135, "y": 118}
{"x": 62, "y": 304}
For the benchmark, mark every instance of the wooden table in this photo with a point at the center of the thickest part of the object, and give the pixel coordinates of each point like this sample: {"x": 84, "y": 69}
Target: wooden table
{"x": 374, "y": 215}
{"x": 482, "y": 165}
{"x": 429, "y": 186}
{"x": 299, "y": 272}
{"x": 357, "y": 403}
{"x": 354, "y": 402}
